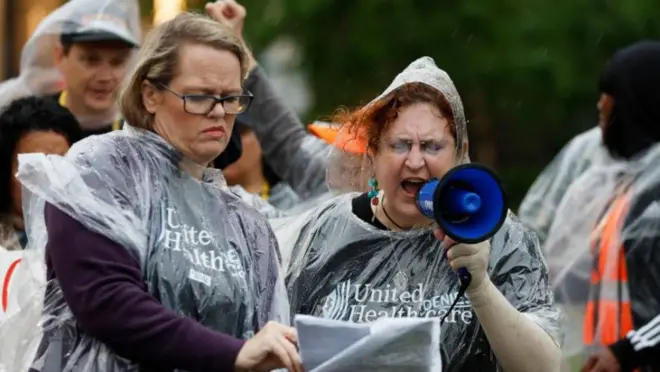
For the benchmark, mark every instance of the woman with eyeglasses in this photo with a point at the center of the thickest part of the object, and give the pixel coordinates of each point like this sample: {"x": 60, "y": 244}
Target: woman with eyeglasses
{"x": 153, "y": 264}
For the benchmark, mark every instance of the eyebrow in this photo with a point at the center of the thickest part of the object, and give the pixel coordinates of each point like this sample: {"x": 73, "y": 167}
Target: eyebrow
{"x": 422, "y": 139}
{"x": 211, "y": 91}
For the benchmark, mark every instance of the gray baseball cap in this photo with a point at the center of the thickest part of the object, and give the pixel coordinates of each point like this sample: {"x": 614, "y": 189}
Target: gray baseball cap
{"x": 108, "y": 26}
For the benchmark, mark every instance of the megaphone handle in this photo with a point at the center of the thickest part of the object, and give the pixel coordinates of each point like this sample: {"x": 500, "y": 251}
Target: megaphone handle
{"x": 464, "y": 276}
{"x": 465, "y": 279}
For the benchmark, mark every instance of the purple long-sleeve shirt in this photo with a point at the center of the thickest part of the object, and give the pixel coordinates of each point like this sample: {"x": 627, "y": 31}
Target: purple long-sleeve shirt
{"x": 102, "y": 284}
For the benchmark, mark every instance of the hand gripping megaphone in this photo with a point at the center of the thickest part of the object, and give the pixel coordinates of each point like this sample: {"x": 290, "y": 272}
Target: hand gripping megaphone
{"x": 468, "y": 203}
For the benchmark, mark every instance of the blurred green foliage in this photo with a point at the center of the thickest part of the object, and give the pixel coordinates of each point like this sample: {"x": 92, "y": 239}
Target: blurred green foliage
{"x": 527, "y": 70}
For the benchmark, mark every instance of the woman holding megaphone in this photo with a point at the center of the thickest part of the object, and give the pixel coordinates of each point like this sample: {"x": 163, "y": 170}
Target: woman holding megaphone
{"x": 379, "y": 254}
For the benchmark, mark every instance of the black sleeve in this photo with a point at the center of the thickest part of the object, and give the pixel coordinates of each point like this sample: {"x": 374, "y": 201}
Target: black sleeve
{"x": 641, "y": 245}
{"x": 640, "y": 347}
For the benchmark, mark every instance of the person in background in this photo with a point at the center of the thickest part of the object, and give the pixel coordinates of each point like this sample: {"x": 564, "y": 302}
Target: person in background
{"x": 152, "y": 263}
{"x": 629, "y": 106}
{"x": 252, "y": 172}
{"x": 28, "y": 125}
{"x": 93, "y": 62}
{"x": 602, "y": 248}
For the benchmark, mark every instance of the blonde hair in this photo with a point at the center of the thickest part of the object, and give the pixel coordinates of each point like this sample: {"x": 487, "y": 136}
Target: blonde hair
{"x": 158, "y": 58}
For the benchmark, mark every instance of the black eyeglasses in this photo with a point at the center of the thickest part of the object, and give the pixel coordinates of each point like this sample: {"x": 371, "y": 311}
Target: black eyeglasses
{"x": 203, "y": 104}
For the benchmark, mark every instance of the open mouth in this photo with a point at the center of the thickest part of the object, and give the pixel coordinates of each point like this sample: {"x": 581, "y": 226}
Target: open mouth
{"x": 411, "y": 186}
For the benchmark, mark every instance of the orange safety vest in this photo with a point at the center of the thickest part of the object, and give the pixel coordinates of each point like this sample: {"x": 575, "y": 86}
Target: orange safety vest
{"x": 608, "y": 315}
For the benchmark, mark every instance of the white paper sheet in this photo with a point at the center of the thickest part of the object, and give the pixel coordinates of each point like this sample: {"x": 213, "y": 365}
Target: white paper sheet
{"x": 388, "y": 344}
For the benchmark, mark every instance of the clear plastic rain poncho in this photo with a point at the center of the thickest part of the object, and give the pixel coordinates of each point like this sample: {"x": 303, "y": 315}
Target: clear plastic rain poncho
{"x": 602, "y": 246}
{"x": 128, "y": 186}
{"x": 607, "y": 225}
{"x": 537, "y": 209}
{"x": 343, "y": 268}
{"x": 38, "y": 73}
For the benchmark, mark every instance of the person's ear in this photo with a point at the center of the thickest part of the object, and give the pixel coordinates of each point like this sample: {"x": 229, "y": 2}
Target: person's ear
{"x": 151, "y": 97}
{"x": 605, "y": 107}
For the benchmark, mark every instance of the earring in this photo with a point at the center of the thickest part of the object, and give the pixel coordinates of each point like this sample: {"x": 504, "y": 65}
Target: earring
{"x": 373, "y": 193}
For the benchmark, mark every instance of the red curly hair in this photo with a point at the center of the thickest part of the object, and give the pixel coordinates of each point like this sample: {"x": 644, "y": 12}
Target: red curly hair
{"x": 367, "y": 124}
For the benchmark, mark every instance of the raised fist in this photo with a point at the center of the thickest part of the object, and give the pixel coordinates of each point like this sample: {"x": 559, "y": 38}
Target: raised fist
{"x": 228, "y": 12}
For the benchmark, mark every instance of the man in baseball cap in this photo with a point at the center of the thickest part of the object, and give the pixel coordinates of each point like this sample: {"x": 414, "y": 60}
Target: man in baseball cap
{"x": 96, "y": 45}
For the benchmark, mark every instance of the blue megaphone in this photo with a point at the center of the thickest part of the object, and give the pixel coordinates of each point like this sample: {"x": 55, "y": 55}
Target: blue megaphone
{"x": 468, "y": 203}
